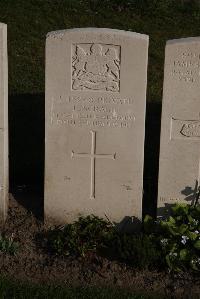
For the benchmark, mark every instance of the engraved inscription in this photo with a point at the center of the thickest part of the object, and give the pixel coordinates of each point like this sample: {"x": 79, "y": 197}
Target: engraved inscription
{"x": 185, "y": 129}
{"x": 93, "y": 112}
{"x": 96, "y": 67}
{"x": 186, "y": 68}
{"x": 191, "y": 129}
{"x": 164, "y": 199}
{"x": 93, "y": 156}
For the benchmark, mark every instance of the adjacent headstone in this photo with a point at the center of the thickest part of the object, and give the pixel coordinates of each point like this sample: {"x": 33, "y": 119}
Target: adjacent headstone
{"x": 3, "y": 124}
{"x": 95, "y": 117}
{"x": 179, "y": 170}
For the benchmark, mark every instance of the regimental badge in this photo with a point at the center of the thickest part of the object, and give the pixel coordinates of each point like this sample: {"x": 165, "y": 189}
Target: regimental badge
{"x": 96, "y": 67}
{"x": 191, "y": 129}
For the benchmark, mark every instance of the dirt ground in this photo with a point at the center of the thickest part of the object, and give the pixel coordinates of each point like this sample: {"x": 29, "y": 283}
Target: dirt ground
{"x": 33, "y": 264}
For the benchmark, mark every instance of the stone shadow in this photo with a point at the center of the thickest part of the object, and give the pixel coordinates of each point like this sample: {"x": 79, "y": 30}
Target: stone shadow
{"x": 26, "y": 150}
{"x": 192, "y": 195}
{"x": 129, "y": 225}
{"x": 164, "y": 212}
{"x": 151, "y": 158}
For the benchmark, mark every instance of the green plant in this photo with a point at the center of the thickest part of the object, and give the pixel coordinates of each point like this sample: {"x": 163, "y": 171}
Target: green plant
{"x": 8, "y": 245}
{"x": 138, "y": 250}
{"x": 179, "y": 237}
{"x": 173, "y": 243}
{"x": 85, "y": 234}
{"x": 95, "y": 234}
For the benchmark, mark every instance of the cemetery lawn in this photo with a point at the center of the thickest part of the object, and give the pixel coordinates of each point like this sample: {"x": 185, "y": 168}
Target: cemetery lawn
{"x": 33, "y": 270}
{"x": 10, "y": 289}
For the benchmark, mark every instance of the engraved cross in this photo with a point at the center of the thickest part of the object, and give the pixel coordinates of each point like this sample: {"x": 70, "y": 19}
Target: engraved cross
{"x": 93, "y": 156}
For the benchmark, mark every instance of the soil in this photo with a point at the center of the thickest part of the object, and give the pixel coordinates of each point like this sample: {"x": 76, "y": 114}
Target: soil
{"x": 32, "y": 263}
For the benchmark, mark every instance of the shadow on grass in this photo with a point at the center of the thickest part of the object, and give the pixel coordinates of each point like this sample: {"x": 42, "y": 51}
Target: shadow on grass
{"x": 26, "y": 150}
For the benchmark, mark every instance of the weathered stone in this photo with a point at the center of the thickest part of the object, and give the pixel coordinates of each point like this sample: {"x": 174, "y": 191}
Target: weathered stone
{"x": 95, "y": 115}
{"x": 179, "y": 170}
{"x": 3, "y": 123}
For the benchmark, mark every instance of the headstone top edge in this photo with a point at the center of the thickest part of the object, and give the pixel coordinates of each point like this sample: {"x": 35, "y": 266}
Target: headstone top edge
{"x": 183, "y": 40}
{"x": 61, "y": 33}
{"x": 3, "y": 28}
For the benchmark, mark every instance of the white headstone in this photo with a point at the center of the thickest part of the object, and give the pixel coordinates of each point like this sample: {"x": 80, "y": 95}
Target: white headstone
{"x": 95, "y": 117}
{"x": 3, "y": 124}
{"x": 179, "y": 170}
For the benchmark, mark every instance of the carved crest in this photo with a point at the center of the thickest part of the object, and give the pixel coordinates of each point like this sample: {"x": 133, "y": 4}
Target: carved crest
{"x": 191, "y": 129}
{"x": 96, "y": 67}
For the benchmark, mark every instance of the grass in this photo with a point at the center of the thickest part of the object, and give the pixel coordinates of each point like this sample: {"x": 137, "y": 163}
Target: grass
{"x": 29, "y": 21}
{"x": 18, "y": 290}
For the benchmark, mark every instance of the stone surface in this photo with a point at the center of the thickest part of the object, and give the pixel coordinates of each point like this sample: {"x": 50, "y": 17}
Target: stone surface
{"x": 95, "y": 116}
{"x": 3, "y": 123}
{"x": 179, "y": 170}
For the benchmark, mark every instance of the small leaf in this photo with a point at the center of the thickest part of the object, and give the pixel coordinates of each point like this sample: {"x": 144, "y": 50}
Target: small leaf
{"x": 197, "y": 245}
{"x": 182, "y": 228}
{"x": 169, "y": 263}
{"x": 148, "y": 219}
{"x": 184, "y": 253}
{"x": 180, "y": 209}
{"x": 148, "y": 224}
{"x": 190, "y": 218}
{"x": 197, "y": 208}
{"x": 191, "y": 235}
{"x": 172, "y": 221}
{"x": 193, "y": 265}
{"x": 172, "y": 230}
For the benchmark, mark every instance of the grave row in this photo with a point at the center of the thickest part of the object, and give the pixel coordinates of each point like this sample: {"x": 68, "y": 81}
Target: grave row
{"x": 95, "y": 99}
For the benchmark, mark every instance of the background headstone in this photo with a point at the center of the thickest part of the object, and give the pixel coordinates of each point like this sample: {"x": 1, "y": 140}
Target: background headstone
{"x": 3, "y": 123}
{"x": 95, "y": 116}
{"x": 179, "y": 169}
